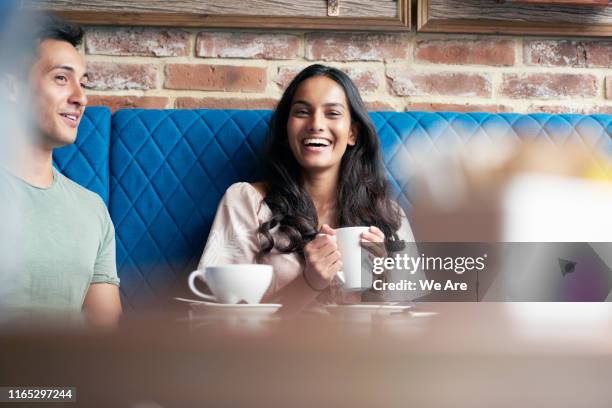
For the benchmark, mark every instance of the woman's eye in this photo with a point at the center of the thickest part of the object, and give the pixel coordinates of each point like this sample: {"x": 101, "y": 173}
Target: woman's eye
{"x": 334, "y": 113}
{"x": 301, "y": 112}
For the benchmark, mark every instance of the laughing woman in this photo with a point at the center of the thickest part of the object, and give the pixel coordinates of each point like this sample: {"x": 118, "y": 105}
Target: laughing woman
{"x": 324, "y": 171}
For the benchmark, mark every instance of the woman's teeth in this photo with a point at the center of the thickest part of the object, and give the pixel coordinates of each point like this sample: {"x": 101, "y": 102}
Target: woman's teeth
{"x": 316, "y": 142}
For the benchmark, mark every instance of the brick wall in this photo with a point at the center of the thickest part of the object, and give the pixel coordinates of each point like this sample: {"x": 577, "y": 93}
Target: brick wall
{"x": 176, "y": 68}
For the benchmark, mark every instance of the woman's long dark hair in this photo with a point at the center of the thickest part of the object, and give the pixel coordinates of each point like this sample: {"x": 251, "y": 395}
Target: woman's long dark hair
{"x": 362, "y": 186}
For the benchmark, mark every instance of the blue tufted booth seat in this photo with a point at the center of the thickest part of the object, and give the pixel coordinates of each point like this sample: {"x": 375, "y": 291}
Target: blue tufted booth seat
{"x": 163, "y": 172}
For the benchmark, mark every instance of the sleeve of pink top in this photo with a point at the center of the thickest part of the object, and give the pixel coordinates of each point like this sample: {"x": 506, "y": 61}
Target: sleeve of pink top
{"x": 233, "y": 235}
{"x": 405, "y": 232}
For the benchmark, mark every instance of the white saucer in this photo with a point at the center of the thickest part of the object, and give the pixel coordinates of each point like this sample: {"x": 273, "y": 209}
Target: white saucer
{"x": 241, "y": 309}
{"x": 240, "y": 306}
{"x": 367, "y": 308}
{"x": 202, "y": 303}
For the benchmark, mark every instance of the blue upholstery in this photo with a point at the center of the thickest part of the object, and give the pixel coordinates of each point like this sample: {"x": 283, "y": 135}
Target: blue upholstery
{"x": 169, "y": 169}
{"x": 438, "y": 129}
{"x": 86, "y": 161}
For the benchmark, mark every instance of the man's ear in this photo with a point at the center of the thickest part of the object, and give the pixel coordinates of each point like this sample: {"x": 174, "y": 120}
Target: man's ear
{"x": 9, "y": 86}
{"x": 354, "y": 134}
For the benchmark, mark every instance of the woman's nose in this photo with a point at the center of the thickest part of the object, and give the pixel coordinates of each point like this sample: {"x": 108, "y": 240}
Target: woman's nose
{"x": 316, "y": 122}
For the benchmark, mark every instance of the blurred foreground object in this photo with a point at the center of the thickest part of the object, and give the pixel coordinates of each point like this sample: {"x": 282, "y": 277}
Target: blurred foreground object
{"x": 483, "y": 191}
{"x": 14, "y": 126}
{"x": 547, "y": 205}
{"x": 481, "y": 355}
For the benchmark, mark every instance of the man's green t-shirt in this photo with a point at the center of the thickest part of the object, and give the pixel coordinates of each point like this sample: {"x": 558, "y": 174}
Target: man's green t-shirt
{"x": 62, "y": 242}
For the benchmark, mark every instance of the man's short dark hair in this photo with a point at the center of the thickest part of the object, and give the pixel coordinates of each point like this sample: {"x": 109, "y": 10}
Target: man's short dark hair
{"x": 23, "y": 33}
{"x": 49, "y": 26}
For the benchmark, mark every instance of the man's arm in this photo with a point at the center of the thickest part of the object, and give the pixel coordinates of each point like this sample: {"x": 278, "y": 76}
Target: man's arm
{"x": 102, "y": 305}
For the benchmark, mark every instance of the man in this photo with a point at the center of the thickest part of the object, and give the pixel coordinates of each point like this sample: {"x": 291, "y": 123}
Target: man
{"x": 63, "y": 248}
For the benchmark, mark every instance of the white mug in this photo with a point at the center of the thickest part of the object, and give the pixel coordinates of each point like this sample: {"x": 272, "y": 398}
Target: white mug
{"x": 234, "y": 283}
{"x": 351, "y": 251}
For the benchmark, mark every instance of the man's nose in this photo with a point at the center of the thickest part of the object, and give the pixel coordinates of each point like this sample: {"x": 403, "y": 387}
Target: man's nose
{"x": 78, "y": 95}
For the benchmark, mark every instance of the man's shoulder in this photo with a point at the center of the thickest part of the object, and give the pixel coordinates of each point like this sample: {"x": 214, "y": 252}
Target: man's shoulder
{"x": 83, "y": 195}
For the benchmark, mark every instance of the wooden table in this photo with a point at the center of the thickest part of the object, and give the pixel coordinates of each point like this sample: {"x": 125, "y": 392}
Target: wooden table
{"x": 438, "y": 355}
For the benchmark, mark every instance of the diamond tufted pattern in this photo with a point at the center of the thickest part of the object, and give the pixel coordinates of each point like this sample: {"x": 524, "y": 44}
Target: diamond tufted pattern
{"x": 169, "y": 169}
{"x": 438, "y": 130}
{"x": 86, "y": 161}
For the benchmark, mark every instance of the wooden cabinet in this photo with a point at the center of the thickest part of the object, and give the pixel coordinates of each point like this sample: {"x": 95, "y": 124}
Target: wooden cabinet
{"x": 512, "y": 17}
{"x": 565, "y": 2}
{"x": 283, "y": 14}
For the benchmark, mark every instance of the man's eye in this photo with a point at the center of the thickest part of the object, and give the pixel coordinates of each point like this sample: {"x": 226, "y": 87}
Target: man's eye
{"x": 61, "y": 78}
{"x": 85, "y": 85}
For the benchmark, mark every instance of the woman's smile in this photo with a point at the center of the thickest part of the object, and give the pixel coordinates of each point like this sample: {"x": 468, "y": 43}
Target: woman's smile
{"x": 316, "y": 144}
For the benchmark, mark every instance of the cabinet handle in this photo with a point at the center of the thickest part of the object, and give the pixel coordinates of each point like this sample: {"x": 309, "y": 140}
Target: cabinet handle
{"x": 333, "y": 7}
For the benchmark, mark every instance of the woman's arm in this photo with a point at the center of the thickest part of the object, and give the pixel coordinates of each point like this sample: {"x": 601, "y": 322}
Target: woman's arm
{"x": 233, "y": 239}
{"x": 233, "y": 234}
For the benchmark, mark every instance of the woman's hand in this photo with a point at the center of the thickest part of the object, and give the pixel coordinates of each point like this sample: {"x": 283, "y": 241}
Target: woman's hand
{"x": 322, "y": 259}
{"x": 374, "y": 239}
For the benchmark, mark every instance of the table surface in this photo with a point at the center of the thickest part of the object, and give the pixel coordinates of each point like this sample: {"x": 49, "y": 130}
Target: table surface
{"x": 434, "y": 354}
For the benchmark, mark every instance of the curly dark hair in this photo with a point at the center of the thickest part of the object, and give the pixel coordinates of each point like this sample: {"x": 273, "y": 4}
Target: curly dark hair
{"x": 362, "y": 196}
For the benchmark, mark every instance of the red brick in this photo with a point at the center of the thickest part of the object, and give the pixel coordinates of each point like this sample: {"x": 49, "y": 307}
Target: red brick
{"x": 109, "y": 75}
{"x": 405, "y": 82}
{"x": 556, "y": 109}
{"x": 207, "y": 77}
{"x": 607, "y": 109}
{"x": 457, "y": 107}
{"x": 588, "y": 54}
{"x": 554, "y": 53}
{"x": 481, "y": 52}
{"x": 329, "y": 46}
{"x": 137, "y": 41}
{"x": 584, "y": 110}
{"x": 365, "y": 79}
{"x": 609, "y": 87}
{"x": 285, "y": 75}
{"x": 247, "y": 45}
{"x": 225, "y": 103}
{"x": 379, "y": 106}
{"x": 599, "y": 54}
{"x": 115, "y": 102}
{"x": 547, "y": 85}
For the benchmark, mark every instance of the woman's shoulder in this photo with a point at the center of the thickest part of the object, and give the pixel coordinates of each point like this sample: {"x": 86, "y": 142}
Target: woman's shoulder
{"x": 261, "y": 187}
{"x": 246, "y": 198}
{"x": 249, "y": 192}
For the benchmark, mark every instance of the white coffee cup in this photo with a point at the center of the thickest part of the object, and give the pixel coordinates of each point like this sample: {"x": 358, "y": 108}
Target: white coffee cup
{"x": 349, "y": 245}
{"x": 234, "y": 283}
